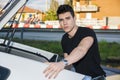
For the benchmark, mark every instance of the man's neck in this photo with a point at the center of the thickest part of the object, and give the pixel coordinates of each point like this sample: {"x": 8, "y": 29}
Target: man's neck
{"x": 72, "y": 33}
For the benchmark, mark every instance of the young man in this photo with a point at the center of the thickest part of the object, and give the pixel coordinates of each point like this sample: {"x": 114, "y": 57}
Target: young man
{"x": 79, "y": 45}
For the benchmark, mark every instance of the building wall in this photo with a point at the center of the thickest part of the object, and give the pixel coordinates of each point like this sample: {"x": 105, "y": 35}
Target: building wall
{"x": 107, "y": 8}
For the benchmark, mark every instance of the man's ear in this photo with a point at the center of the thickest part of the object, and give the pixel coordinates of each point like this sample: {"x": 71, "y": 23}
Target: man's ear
{"x": 75, "y": 18}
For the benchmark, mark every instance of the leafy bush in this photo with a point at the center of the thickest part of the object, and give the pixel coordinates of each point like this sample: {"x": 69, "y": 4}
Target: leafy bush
{"x": 106, "y": 49}
{"x": 109, "y": 49}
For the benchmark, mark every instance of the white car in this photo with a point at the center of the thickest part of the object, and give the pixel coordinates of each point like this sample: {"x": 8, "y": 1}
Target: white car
{"x": 22, "y": 62}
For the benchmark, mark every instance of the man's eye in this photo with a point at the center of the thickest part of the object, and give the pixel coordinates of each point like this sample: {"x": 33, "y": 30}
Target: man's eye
{"x": 68, "y": 18}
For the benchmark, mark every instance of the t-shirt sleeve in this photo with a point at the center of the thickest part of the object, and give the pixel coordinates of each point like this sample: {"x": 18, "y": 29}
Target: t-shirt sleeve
{"x": 88, "y": 32}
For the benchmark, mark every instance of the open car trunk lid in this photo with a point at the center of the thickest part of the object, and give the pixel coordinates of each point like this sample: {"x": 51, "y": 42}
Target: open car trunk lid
{"x": 10, "y": 11}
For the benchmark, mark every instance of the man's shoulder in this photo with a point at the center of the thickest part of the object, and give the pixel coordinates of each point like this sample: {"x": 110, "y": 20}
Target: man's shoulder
{"x": 85, "y": 29}
{"x": 64, "y": 34}
{"x": 81, "y": 27}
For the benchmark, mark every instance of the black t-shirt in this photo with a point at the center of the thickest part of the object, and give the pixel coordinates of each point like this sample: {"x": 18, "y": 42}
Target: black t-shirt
{"x": 90, "y": 63}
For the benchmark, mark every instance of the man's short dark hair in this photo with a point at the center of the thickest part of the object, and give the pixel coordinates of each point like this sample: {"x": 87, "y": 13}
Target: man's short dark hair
{"x": 65, "y": 8}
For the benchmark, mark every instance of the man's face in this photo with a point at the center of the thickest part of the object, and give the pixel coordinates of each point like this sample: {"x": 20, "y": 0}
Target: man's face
{"x": 67, "y": 21}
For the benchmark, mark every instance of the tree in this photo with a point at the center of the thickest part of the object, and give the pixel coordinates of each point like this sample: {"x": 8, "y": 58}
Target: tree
{"x": 51, "y": 13}
{"x": 68, "y": 2}
{"x": 54, "y": 5}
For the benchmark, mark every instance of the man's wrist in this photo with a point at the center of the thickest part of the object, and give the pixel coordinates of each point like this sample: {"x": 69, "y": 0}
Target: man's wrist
{"x": 65, "y": 62}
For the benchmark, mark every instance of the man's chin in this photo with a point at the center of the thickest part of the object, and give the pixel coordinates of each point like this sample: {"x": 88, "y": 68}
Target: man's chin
{"x": 66, "y": 31}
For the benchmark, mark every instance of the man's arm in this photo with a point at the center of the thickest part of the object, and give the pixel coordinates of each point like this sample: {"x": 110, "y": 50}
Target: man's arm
{"x": 78, "y": 53}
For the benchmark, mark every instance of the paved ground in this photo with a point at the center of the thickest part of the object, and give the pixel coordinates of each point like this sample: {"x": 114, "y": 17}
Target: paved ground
{"x": 113, "y": 77}
{"x": 112, "y": 73}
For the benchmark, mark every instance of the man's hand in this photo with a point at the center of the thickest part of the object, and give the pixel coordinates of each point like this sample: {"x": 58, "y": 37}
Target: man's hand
{"x": 53, "y": 69}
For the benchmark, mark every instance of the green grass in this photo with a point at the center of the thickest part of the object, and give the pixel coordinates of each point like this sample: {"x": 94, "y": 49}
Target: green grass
{"x": 51, "y": 46}
{"x": 107, "y": 50}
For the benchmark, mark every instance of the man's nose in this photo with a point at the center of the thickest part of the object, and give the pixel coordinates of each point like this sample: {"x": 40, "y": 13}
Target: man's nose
{"x": 64, "y": 22}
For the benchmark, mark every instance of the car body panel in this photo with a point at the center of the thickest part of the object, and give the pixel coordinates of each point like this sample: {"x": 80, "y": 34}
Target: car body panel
{"x": 27, "y": 69}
